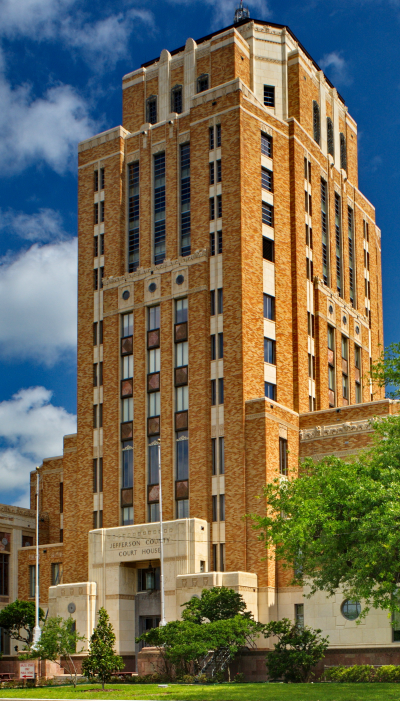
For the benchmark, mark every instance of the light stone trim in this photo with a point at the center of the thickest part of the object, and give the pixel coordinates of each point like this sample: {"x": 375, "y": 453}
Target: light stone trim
{"x": 102, "y": 138}
{"x": 167, "y": 265}
{"x": 319, "y": 432}
{"x": 270, "y": 60}
{"x": 103, "y": 158}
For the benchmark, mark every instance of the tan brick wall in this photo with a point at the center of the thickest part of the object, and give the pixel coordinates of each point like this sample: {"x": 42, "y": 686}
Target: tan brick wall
{"x": 48, "y": 554}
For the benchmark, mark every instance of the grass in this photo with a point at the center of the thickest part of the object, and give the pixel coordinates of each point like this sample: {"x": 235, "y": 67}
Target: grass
{"x": 217, "y": 692}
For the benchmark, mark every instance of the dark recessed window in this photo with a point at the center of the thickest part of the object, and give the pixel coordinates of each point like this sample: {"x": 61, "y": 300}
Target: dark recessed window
{"x": 330, "y": 138}
{"x": 270, "y": 390}
{"x": 267, "y": 214}
{"x": 268, "y": 249}
{"x": 269, "y": 95}
{"x": 266, "y": 179}
{"x": 266, "y": 145}
{"x": 180, "y": 280}
{"x": 269, "y": 351}
{"x": 126, "y": 294}
{"x": 343, "y": 152}
{"x": 202, "y": 82}
{"x": 176, "y": 99}
{"x": 316, "y": 122}
{"x": 152, "y": 287}
{"x": 269, "y": 307}
{"x": 151, "y": 109}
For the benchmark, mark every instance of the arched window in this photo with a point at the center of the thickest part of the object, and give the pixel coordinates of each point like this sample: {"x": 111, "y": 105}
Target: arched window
{"x": 329, "y": 134}
{"x": 316, "y": 122}
{"x": 343, "y": 152}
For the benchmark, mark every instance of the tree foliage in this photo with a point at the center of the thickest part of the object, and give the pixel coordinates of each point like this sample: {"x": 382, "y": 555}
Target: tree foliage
{"x": 185, "y": 644}
{"x": 102, "y": 661}
{"x": 59, "y": 639}
{"x": 297, "y": 651}
{"x": 216, "y": 604}
{"x": 386, "y": 371}
{"x": 338, "y": 523}
{"x": 20, "y": 616}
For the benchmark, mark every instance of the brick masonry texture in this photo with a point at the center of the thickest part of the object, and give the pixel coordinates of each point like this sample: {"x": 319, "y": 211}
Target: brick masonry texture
{"x": 252, "y": 423}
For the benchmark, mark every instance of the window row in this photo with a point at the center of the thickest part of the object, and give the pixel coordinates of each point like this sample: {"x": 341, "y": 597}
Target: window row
{"x": 217, "y": 295}
{"x": 329, "y": 136}
{"x": 98, "y": 245}
{"x": 98, "y": 181}
{"x": 98, "y": 212}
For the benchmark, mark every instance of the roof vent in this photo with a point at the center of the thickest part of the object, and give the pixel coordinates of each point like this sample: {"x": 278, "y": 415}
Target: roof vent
{"x": 241, "y": 13}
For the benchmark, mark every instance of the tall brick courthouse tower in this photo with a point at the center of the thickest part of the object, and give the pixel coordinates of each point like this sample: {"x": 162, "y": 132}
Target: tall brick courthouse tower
{"x": 230, "y": 305}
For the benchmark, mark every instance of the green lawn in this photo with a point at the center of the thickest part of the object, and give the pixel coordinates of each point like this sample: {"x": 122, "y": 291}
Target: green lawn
{"x": 218, "y": 692}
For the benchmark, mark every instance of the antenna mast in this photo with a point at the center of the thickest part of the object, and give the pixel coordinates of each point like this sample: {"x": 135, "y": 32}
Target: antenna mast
{"x": 241, "y": 13}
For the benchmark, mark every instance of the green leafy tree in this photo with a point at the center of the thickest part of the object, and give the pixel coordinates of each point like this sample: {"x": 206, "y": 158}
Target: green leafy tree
{"x": 338, "y": 524}
{"x": 17, "y": 617}
{"x": 102, "y": 661}
{"x": 58, "y": 639}
{"x": 297, "y": 651}
{"x": 216, "y": 604}
{"x": 386, "y": 371}
{"x": 184, "y": 644}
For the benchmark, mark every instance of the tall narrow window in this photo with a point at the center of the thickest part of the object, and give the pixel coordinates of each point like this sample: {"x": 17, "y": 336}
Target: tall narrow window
{"x": 350, "y": 218}
{"x": 61, "y": 497}
{"x": 96, "y": 213}
{"x": 102, "y": 210}
{"x": 221, "y": 455}
{"x": 212, "y": 208}
{"x": 269, "y": 351}
{"x": 127, "y": 324}
{"x": 324, "y": 230}
{"x": 127, "y": 464}
{"x": 133, "y": 214}
{"x": 283, "y": 466}
{"x": 268, "y": 249}
{"x": 176, "y": 99}
{"x": 219, "y": 206}
{"x": 185, "y": 200}
{"x": 159, "y": 208}
{"x": 220, "y": 300}
{"x": 222, "y": 556}
{"x": 316, "y": 122}
{"x": 211, "y": 138}
{"x": 222, "y": 507}
{"x": 219, "y": 241}
{"x": 338, "y": 242}
{"x": 212, "y": 173}
{"x": 266, "y": 179}
{"x": 182, "y": 455}
{"x": 212, "y": 243}
{"x": 96, "y": 180}
{"x": 269, "y": 307}
{"x": 266, "y": 145}
{"x": 102, "y": 178}
{"x": 329, "y": 135}
{"x": 267, "y": 214}
{"x": 213, "y": 456}
{"x": 151, "y": 109}
{"x": 269, "y": 95}
{"x": 219, "y": 135}
{"x": 153, "y": 457}
{"x": 343, "y": 152}
{"x": 219, "y": 171}
{"x": 212, "y": 302}
{"x": 221, "y": 390}
{"x": 270, "y": 390}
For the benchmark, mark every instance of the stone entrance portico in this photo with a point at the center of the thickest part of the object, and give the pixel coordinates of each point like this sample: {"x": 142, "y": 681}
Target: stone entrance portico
{"x": 116, "y": 558}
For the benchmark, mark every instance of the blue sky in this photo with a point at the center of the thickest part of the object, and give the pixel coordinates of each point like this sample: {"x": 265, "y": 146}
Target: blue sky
{"x": 61, "y": 65}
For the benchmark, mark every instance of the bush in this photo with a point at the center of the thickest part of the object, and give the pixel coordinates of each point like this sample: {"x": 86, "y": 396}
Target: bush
{"x": 202, "y": 679}
{"x": 239, "y": 677}
{"x": 363, "y": 673}
{"x": 187, "y": 679}
{"x": 297, "y": 651}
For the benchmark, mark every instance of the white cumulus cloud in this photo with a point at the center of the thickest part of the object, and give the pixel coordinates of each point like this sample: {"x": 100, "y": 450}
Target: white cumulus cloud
{"x": 44, "y": 225}
{"x": 35, "y": 18}
{"x": 106, "y": 41}
{"x": 38, "y": 289}
{"x": 31, "y": 428}
{"x": 41, "y": 129}
{"x": 336, "y": 68}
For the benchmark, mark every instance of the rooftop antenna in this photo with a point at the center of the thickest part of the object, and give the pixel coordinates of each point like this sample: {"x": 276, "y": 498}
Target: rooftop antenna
{"x": 241, "y": 13}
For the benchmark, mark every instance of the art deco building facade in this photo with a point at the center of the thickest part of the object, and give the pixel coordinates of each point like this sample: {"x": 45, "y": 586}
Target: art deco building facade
{"x": 229, "y": 307}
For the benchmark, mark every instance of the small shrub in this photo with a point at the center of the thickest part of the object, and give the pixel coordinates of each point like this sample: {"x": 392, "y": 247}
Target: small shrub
{"x": 363, "y": 673}
{"x": 187, "y": 679}
{"x": 201, "y": 679}
{"x": 219, "y": 677}
{"x": 239, "y": 677}
{"x": 387, "y": 673}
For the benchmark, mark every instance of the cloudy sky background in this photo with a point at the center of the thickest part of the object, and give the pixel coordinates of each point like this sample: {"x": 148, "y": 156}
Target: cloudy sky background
{"x": 61, "y": 64}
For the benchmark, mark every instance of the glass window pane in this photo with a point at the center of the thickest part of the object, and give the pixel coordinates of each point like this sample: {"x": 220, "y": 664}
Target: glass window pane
{"x": 181, "y": 311}
{"x": 154, "y": 360}
{"x": 182, "y": 398}
{"x": 182, "y": 354}
{"x": 127, "y": 409}
{"x": 127, "y": 325}
{"x": 127, "y": 367}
